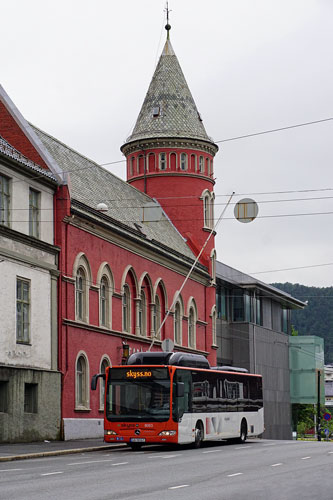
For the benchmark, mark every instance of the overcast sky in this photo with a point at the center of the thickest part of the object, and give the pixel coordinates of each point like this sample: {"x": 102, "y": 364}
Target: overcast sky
{"x": 79, "y": 70}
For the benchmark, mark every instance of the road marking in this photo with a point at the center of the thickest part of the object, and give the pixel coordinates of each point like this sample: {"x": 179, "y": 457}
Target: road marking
{"x": 9, "y": 470}
{"x": 305, "y": 458}
{"x": 242, "y": 447}
{"x": 180, "y": 486}
{"x": 51, "y": 473}
{"x": 212, "y": 451}
{"x": 270, "y": 444}
{"x": 236, "y": 474}
{"x": 121, "y": 463}
{"x": 328, "y": 453}
{"x": 172, "y": 456}
{"x": 154, "y": 456}
{"x": 275, "y": 465}
{"x": 91, "y": 462}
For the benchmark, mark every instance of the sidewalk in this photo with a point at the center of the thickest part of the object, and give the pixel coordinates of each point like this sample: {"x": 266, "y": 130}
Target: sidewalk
{"x": 20, "y": 451}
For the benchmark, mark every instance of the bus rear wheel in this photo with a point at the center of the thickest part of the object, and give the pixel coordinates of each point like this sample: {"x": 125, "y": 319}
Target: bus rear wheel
{"x": 199, "y": 435}
{"x": 243, "y": 432}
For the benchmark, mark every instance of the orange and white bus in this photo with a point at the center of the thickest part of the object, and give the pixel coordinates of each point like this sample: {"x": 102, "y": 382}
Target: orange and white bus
{"x": 177, "y": 398}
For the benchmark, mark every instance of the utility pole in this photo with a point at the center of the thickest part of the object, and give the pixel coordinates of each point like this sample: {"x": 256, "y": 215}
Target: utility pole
{"x": 318, "y": 409}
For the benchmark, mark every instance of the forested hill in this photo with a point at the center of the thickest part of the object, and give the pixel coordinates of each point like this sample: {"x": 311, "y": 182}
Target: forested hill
{"x": 317, "y": 317}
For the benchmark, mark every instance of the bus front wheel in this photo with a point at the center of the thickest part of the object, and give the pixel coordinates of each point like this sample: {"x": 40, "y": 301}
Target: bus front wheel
{"x": 199, "y": 435}
{"x": 135, "y": 446}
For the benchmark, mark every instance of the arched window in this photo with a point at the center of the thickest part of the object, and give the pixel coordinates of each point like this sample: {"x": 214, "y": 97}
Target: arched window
{"x": 207, "y": 166}
{"x": 82, "y": 276}
{"x": 211, "y": 168}
{"x": 162, "y": 162}
{"x": 213, "y": 266}
{"x": 191, "y": 327}
{"x": 143, "y": 314}
{"x": 206, "y": 211}
{"x": 126, "y": 308}
{"x": 177, "y": 324}
{"x": 201, "y": 164}
{"x": 140, "y": 165}
{"x": 104, "y": 301}
{"x": 212, "y": 221}
{"x": 214, "y": 339}
{"x": 132, "y": 160}
{"x": 173, "y": 161}
{"x": 104, "y": 364}
{"x": 193, "y": 163}
{"x": 81, "y": 383}
{"x": 157, "y": 317}
{"x": 80, "y": 294}
{"x": 183, "y": 161}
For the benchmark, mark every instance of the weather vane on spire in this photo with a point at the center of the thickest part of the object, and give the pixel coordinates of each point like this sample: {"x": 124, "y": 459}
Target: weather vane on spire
{"x": 167, "y": 26}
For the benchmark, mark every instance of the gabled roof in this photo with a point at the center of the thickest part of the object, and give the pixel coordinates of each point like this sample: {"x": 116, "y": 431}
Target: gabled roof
{"x": 29, "y": 133}
{"x": 176, "y": 114}
{"x": 91, "y": 184}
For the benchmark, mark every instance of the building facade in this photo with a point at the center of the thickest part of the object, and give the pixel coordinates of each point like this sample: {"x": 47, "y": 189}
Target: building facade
{"x": 253, "y": 331}
{"x": 125, "y": 252}
{"x": 29, "y": 376}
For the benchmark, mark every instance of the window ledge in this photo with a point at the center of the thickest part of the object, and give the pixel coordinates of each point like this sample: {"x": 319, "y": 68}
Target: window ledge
{"x": 214, "y": 346}
{"x": 82, "y": 409}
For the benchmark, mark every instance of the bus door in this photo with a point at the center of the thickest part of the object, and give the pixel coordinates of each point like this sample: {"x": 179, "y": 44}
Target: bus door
{"x": 181, "y": 408}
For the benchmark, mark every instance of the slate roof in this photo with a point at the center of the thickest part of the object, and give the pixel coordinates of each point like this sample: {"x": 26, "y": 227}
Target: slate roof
{"x": 168, "y": 91}
{"x": 91, "y": 184}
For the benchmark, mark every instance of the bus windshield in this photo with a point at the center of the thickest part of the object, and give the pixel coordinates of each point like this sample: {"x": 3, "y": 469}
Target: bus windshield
{"x": 135, "y": 394}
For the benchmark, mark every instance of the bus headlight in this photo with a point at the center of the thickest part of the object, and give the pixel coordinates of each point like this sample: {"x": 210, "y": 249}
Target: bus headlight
{"x": 167, "y": 433}
{"x": 110, "y": 433}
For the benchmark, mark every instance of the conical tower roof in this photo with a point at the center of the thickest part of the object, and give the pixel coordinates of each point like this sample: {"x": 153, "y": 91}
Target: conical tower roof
{"x": 169, "y": 109}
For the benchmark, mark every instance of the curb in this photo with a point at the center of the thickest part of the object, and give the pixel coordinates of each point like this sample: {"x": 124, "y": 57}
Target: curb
{"x": 42, "y": 454}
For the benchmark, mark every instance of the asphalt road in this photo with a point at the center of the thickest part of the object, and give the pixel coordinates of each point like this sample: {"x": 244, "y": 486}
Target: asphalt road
{"x": 259, "y": 469}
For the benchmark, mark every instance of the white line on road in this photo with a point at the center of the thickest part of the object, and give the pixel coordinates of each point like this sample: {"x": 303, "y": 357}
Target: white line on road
{"x": 242, "y": 447}
{"x": 236, "y": 474}
{"x": 51, "y": 473}
{"x": 91, "y": 462}
{"x": 121, "y": 463}
{"x": 212, "y": 451}
{"x": 180, "y": 486}
{"x": 305, "y": 458}
{"x": 172, "y": 456}
{"x": 330, "y": 452}
{"x": 269, "y": 444}
{"x": 9, "y": 470}
{"x": 275, "y": 465}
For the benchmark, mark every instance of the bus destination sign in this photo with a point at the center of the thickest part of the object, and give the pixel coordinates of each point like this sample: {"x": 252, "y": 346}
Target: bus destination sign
{"x": 138, "y": 374}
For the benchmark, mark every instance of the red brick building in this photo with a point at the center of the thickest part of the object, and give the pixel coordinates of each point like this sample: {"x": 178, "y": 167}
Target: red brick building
{"x": 126, "y": 247}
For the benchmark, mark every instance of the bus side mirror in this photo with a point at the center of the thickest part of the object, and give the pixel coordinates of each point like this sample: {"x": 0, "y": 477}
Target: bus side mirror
{"x": 180, "y": 389}
{"x": 94, "y": 380}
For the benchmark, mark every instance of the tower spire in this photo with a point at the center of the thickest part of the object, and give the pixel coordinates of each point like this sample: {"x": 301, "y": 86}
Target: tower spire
{"x": 167, "y": 26}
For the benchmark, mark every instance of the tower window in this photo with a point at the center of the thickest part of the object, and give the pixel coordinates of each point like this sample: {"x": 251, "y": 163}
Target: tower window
{"x": 162, "y": 161}
{"x": 183, "y": 161}
{"x": 201, "y": 164}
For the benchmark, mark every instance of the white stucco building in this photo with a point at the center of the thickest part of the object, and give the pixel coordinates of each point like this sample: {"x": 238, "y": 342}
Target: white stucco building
{"x": 29, "y": 379}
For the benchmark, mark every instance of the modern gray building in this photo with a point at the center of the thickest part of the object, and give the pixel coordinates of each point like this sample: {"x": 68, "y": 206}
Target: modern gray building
{"x": 253, "y": 329}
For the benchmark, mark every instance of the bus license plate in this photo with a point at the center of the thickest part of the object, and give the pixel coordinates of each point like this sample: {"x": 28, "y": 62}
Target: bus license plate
{"x": 137, "y": 440}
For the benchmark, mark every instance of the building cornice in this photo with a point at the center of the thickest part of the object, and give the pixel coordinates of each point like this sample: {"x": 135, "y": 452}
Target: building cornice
{"x": 9, "y": 233}
{"x": 169, "y": 142}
